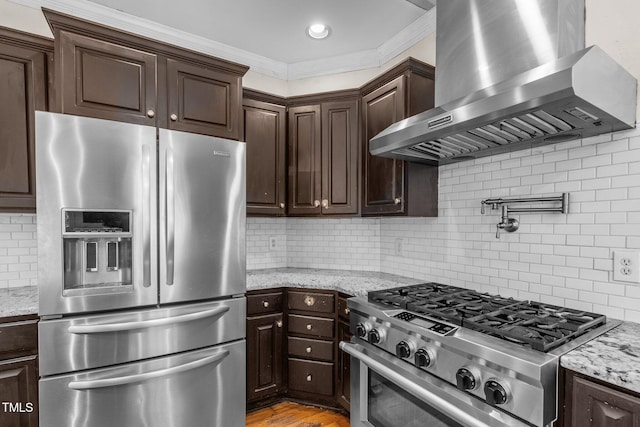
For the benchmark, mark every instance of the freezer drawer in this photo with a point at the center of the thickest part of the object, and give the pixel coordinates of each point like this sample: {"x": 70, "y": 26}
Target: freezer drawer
{"x": 200, "y": 388}
{"x": 88, "y": 342}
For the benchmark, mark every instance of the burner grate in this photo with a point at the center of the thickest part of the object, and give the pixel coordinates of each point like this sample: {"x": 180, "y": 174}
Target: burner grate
{"x": 542, "y": 327}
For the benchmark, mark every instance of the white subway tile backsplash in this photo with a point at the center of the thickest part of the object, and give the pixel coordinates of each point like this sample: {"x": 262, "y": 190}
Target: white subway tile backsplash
{"x": 18, "y": 253}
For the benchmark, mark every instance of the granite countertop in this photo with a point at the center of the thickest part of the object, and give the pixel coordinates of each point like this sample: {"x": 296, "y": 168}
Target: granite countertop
{"x": 613, "y": 357}
{"x": 18, "y": 301}
{"x": 356, "y": 283}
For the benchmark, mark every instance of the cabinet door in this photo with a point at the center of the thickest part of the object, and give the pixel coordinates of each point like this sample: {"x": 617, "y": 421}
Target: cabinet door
{"x": 19, "y": 392}
{"x": 265, "y": 135}
{"x": 383, "y": 180}
{"x": 344, "y": 369}
{"x": 23, "y": 89}
{"x": 340, "y": 157}
{"x": 264, "y": 356}
{"x": 105, "y": 80}
{"x": 304, "y": 160}
{"x": 595, "y": 405}
{"x": 203, "y": 100}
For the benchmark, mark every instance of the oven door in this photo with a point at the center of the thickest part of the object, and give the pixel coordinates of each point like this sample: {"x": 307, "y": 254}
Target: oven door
{"x": 388, "y": 392}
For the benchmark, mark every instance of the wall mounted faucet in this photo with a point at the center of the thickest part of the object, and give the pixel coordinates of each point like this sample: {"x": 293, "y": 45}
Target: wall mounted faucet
{"x": 511, "y": 224}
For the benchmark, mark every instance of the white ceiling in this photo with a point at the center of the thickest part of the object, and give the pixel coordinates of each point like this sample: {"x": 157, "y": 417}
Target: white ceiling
{"x": 275, "y": 29}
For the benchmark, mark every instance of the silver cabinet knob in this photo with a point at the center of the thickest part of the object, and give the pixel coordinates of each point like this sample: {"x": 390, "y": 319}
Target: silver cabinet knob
{"x": 316, "y": 203}
{"x": 265, "y": 304}
{"x": 279, "y": 323}
{"x": 309, "y": 378}
{"x": 309, "y": 326}
{"x": 308, "y": 349}
{"x": 309, "y": 300}
{"x": 151, "y": 113}
{"x": 347, "y": 311}
{"x": 281, "y": 205}
{"x": 397, "y": 200}
{"x": 325, "y": 204}
{"x": 173, "y": 117}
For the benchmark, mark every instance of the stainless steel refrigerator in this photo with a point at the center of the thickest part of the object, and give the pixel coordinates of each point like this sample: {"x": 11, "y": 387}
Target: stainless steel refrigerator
{"x": 141, "y": 275}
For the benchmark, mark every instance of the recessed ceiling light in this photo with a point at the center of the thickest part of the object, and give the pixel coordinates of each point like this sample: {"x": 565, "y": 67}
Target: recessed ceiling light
{"x": 318, "y": 31}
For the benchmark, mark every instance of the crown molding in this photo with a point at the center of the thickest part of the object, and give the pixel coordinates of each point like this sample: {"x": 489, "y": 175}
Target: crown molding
{"x": 372, "y": 58}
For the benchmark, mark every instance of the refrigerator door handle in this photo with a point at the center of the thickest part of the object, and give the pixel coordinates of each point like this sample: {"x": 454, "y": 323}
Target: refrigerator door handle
{"x": 129, "y": 326}
{"x": 170, "y": 223}
{"x": 137, "y": 378}
{"x": 146, "y": 214}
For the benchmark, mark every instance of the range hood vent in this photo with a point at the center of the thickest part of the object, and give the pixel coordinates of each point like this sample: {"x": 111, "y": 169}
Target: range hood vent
{"x": 575, "y": 95}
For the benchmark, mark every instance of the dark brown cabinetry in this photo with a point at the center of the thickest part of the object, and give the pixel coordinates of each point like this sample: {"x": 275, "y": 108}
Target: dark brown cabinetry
{"x": 264, "y": 345}
{"x": 104, "y": 73}
{"x": 23, "y": 85}
{"x": 19, "y": 372}
{"x": 323, "y": 155}
{"x": 343, "y": 360}
{"x": 315, "y": 370}
{"x": 266, "y": 137}
{"x": 391, "y": 186}
{"x": 311, "y": 322}
{"x": 591, "y": 403}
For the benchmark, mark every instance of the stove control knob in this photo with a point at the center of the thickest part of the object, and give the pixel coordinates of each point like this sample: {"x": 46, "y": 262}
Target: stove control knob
{"x": 465, "y": 379}
{"x": 376, "y": 336}
{"x": 362, "y": 329}
{"x": 495, "y": 393}
{"x": 424, "y": 358}
{"x": 404, "y": 349}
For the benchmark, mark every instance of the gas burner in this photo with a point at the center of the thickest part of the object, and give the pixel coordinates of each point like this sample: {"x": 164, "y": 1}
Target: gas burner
{"x": 532, "y": 324}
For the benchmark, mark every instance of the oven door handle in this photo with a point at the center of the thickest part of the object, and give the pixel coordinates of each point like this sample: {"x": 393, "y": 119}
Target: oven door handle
{"x": 137, "y": 378}
{"x": 129, "y": 326}
{"x": 432, "y": 399}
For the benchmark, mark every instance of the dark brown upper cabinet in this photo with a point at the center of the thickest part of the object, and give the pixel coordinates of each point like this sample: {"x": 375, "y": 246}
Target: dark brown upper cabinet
{"x": 390, "y": 186}
{"x": 23, "y": 85}
{"x": 109, "y": 74}
{"x": 265, "y": 133}
{"x": 323, "y": 155}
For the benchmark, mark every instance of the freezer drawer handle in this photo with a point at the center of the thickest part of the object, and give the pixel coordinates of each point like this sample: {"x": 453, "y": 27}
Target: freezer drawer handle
{"x": 129, "y": 326}
{"x": 432, "y": 399}
{"x": 130, "y": 379}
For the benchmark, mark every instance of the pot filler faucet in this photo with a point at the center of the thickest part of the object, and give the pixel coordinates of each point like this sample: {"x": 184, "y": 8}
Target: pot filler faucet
{"x": 511, "y": 224}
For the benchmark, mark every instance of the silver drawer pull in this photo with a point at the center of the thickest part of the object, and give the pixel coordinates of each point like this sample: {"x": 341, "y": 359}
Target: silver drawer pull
{"x": 309, "y": 300}
{"x": 347, "y": 311}
{"x": 309, "y": 326}
{"x": 308, "y": 349}
{"x": 279, "y": 323}
{"x": 265, "y": 304}
{"x": 309, "y": 378}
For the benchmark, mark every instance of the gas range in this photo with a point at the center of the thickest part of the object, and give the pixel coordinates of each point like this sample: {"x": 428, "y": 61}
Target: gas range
{"x": 503, "y": 352}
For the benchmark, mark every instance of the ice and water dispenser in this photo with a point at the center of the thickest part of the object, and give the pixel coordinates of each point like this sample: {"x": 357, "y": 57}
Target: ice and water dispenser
{"x": 97, "y": 251}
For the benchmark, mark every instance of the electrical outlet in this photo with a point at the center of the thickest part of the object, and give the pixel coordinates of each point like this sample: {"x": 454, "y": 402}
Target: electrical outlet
{"x": 626, "y": 266}
{"x": 273, "y": 243}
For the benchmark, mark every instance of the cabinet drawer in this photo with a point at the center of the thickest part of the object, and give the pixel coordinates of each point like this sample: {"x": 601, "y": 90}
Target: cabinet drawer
{"x": 308, "y": 325}
{"x": 309, "y": 348}
{"x": 18, "y": 339}
{"x": 311, "y": 301}
{"x": 343, "y": 309}
{"x": 264, "y": 303}
{"x": 311, "y": 377}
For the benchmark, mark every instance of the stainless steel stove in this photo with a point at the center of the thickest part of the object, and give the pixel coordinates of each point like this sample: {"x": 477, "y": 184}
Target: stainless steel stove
{"x": 447, "y": 356}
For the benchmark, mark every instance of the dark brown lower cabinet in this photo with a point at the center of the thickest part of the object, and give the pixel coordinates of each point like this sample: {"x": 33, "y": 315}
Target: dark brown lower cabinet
{"x": 19, "y": 372}
{"x": 264, "y": 356}
{"x": 343, "y": 381}
{"x": 592, "y": 403}
{"x": 306, "y": 364}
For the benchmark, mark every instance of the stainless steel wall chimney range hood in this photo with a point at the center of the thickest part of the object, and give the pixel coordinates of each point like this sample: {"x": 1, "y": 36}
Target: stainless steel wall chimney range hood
{"x": 511, "y": 74}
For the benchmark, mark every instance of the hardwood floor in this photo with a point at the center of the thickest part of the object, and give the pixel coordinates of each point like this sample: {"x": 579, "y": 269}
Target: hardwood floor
{"x": 289, "y": 414}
